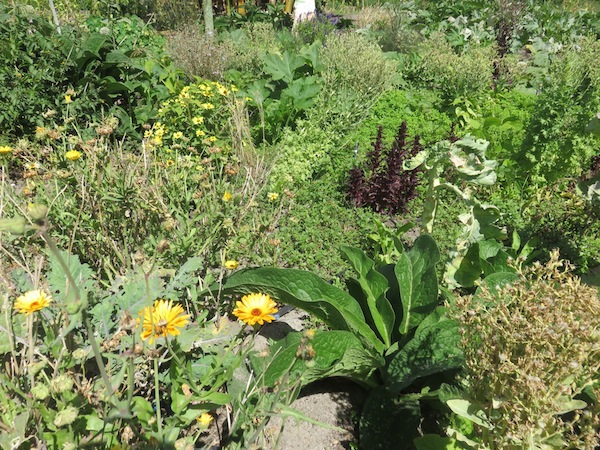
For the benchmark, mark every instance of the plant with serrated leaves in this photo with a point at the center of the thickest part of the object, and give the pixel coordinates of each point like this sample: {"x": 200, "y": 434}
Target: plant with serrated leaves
{"x": 531, "y": 346}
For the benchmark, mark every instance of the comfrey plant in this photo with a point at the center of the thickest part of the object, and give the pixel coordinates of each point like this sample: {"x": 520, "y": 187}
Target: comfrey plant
{"x": 386, "y": 186}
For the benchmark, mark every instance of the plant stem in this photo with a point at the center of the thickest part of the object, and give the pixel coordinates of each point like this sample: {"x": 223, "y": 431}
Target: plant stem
{"x": 157, "y": 396}
{"x": 86, "y": 320}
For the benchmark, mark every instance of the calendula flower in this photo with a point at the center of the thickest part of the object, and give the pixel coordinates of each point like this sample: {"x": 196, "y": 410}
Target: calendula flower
{"x": 5, "y": 149}
{"x": 227, "y": 196}
{"x": 73, "y": 155}
{"x": 32, "y": 301}
{"x": 272, "y": 196}
{"x": 205, "y": 419}
{"x": 162, "y": 319}
{"x": 68, "y": 99}
{"x": 255, "y": 308}
{"x": 231, "y": 264}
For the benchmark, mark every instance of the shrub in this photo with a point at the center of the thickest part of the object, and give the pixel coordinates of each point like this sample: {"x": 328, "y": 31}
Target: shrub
{"x": 199, "y": 55}
{"x": 468, "y": 74}
{"x": 531, "y": 355}
{"x": 557, "y": 144}
{"x": 354, "y": 64}
{"x": 386, "y": 187}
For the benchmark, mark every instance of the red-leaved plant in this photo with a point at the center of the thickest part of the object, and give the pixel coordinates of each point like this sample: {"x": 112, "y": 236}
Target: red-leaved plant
{"x": 385, "y": 186}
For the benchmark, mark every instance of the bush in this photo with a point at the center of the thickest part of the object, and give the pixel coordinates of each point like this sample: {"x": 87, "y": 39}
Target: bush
{"x": 468, "y": 74}
{"x": 531, "y": 357}
{"x": 557, "y": 144}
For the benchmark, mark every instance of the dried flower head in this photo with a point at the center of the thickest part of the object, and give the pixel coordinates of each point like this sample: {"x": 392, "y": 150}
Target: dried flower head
{"x": 530, "y": 348}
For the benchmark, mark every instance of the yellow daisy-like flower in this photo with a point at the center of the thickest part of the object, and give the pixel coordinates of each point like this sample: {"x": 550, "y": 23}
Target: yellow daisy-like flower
{"x": 162, "y": 319}
{"x": 177, "y": 135}
{"x": 231, "y": 264}
{"x": 207, "y": 105}
{"x": 255, "y": 308}
{"x": 5, "y": 149}
{"x": 227, "y": 196}
{"x": 205, "y": 419}
{"x": 73, "y": 155}
{"x": 68, "y": 99}
{"x": 197, "y": 120}
{"x": 32, "y": 301}
{"x": 212, "y": 139}
{"x": 272, "y": 196}
{"x": 200, "y": 133}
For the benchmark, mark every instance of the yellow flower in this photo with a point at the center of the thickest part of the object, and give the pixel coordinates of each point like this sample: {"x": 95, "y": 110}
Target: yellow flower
{"x": 177, "y": 135}
{"x": 227, "y": 196}
{"x": 231, "y": 264}
{"x": 212, "y": 138}
{"x": 68, "y": 99}
{"x": 200, "y": 133}
{"x": 272, "y": 196}
{"x": 205, "y": 419}
{"x": 162, "y": 319}
{"x": 32, "y": 301}
{"x": 255, "y": 308}
{"x": 5, "y": 149}
{"x": 41, "y": 132}
{"x": 207, "y": 105}
{"x": 197, "y": 120}
{"x": 73, "y": 155}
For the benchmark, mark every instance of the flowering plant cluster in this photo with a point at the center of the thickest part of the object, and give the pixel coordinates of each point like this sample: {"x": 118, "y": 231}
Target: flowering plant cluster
{"x": 194, "y": 120}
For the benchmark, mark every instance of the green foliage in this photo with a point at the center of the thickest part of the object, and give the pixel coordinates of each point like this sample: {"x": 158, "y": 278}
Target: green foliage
{"x": 417, "y": 107}
{"x": 523, "y": 377}
{"x": 99, "y": 72}
{"x": 556, "y": 143}
{"x": 467, "y": 74}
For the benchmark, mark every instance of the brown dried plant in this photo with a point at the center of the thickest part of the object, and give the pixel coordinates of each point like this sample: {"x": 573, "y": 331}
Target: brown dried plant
{"x": 531, "y": 348}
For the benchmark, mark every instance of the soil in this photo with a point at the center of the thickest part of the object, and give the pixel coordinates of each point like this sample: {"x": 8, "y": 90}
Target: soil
{"x": 335, "y": 402}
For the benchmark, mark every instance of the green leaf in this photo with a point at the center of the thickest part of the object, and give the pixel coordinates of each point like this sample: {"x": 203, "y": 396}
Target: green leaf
{"x": 387, "y": 423}
{"x": 374, "y": 285}
{"x": 94, "y": 43}
{"x": 336, "y": 353}
{"x": 468, "y": 410}
{"x": 302, "y": 92}
{"x": 434, "y": 348}
{"x": 417, "y": 281}
{"x": 306, "y": 291}
{"x": 282, "y": 67}
{"x": 435, "y": 442}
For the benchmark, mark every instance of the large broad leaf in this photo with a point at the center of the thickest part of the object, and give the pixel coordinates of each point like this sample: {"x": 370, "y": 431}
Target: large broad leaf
{"x": 374, "y": 286}
{"x": 306, "y": 291}
{"x": 302, "y": 93}
{"x": 387, "y": 423}
{"x": 434, "y": 348}
{"x": 417, "y": 282}
{"x": 282, "y": 67}
{"x": 336, "y": 353}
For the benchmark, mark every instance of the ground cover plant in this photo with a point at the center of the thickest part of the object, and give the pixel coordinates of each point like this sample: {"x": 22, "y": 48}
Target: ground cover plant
{"x": 421, "y": 178}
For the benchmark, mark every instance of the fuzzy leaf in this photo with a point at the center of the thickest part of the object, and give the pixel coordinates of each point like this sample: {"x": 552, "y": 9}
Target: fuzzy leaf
{"x": 434, "y": 348}
{"x": 306, "y": 291}
{"x": 417, "y": 282}
{"x": 469, "y": 411}
{"x": 374, "y": 285}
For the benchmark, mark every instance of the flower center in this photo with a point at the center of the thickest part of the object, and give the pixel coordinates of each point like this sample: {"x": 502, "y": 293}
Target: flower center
{"x": 162, "y": 323}
{"x": 256, "y": 312}
{"x": 35, "y": 305}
